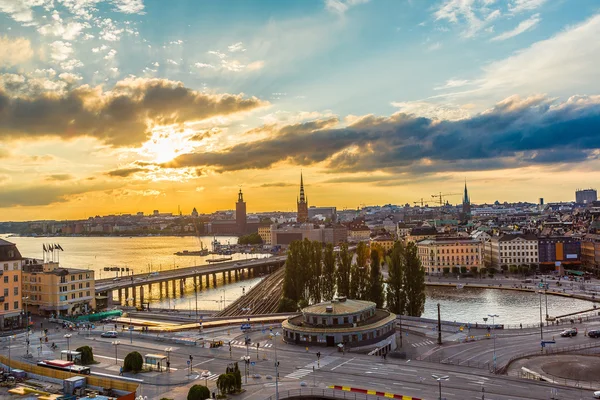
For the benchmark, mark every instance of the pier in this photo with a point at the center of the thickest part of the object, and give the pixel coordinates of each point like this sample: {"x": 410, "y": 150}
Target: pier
{"x": 132, "y": 286}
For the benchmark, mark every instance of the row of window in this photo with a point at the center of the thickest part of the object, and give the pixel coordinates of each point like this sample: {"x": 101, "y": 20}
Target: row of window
{"x": 16, "y": 305}
{"x": 15, "y": 291}
{"x": 16, "y": 266}
{"x": 517, "y": 260}
{"x": 520, "y": 247}
{"x": 64, "y": 279}
{"x": 65, "y": 297}
{"x": 518, "y": 253}
{"x": 15, "y": 278}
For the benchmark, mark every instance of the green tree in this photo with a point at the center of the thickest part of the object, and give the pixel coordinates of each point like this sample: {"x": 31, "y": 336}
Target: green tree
{"x": 413, "y": 282}
{"x": 395, "y": 295}
{"x": 198, "y": 392}
{"x": 293, "y": 282}
{"x": 375, "y": 291}
{"x": 133, "y": 362}
{"x": 328, "y": 278}
{"x": 87, "y": 356}
{"x": 252, "y": 238}
{"x": 344, "y": 262}
{"x": 287, "y": 305}
{"x": 455, "y": 270}
{"x": 359, "y": 273}
{"x": 316, "y": 271}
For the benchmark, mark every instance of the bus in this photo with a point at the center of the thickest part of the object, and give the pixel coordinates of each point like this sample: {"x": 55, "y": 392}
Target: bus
{"x": 62, "y": 365}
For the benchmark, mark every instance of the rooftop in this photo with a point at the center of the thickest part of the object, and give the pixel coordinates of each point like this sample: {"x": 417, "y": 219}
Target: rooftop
{"x": 339, "y": 307}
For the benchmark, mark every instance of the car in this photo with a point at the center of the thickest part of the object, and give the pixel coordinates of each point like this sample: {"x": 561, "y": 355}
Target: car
{"x": 595, "y": 333}
{"x": 569, "y": 332}
{"x": 153, "y": 274}
{"x": 109, "y": 334}
{"x": 597, "y": 394}
{"x": 116, "y": 279}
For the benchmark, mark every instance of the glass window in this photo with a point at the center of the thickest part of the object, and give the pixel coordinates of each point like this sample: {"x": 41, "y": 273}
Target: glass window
{"x": 87, "y": 293}
{"x": 5, "y": 306}
{"x": 6, "y": 279}
{"x": 16, "y": 278}
{"x": 16, "y": 290}
{"x": 16, "y": 305}
{"x": 5, "y": 291}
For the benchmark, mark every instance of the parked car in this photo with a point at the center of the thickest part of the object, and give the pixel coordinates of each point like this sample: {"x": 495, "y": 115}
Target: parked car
{"x": 109, "y": 334}
{"x": 569, "y": 332}
{"x": 153, "y": 274}
{"x": 597, "y": 394}
{"x": 594, "y": 333}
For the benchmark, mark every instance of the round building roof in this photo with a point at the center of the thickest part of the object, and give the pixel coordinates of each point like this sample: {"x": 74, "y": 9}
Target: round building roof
{"x": 339, "y": 307}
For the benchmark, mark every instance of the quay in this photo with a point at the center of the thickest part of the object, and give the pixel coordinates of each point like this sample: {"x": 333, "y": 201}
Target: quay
{"x": 129, "y": 286}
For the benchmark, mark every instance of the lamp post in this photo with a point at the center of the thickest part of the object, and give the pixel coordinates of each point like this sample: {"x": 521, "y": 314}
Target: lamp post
{"x": 68, "y": 337}
{"x": 27, "y": 355}
{"x": 130, "y": 327}
{"x": 196, "y": 290}
{"x": 168, "y": 350}
{"x": 223, "y": 290}
{"x": 9, "y": 340}
{"x": 439, "y": 379}
{"x": 205, "y": 375}
{"x": 246, "y": 362}
{"x": 493, "y": 316}
{"x": 116, "y": 343}
{"x": 273, "y": 337}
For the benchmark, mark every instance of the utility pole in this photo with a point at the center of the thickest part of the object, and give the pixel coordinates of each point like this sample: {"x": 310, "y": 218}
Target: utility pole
{"x": 439, "y": 325}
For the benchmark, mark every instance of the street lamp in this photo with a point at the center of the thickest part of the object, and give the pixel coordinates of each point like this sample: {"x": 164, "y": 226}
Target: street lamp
{"x": 493, "y": 317}
{"x": 9, "y": 340}
{"x": 27, "y": 355}
{"x": 68, "y": 336}
{"x": 223, "y": 290}
{"x": 205, "y": 375}
{"x": 130, "y": 327}
{"x": 440, "y": 379}
{"x": 246, "y": 363}
{"x": 196, "y": 290}
{"x": 168, "y": 350}
{"x": 273, "y": 337}
{"x": 116, "y": 343}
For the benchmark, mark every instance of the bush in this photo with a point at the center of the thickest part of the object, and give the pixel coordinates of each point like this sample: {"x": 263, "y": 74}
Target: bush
{"x": 133, "y": 362}
{"x": 463, "y": 270}
{"x": 504, "y": 268}
{"x": 87, "y": 356}
{"x": 287, "y": 305}
{"x": 198, "y": 392}
{"x": 455, "y": 270}
{"x": 226, "y": 383}
{"x": 235, "y": 370}
{"x": 446, "y": 270}
{"x": 473, "y": 270}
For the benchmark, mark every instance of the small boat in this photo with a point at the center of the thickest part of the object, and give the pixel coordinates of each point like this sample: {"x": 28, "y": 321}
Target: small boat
{"x": 202, "y": 252}
{"x": 216, "y": 260}
{"x": 460, "y": 286}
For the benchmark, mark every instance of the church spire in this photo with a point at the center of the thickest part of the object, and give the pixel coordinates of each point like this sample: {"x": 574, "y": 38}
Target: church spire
{"x": 302, "y": 199}
{"x": 466, "y": 199}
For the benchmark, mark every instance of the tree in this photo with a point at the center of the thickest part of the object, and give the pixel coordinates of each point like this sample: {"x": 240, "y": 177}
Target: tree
{"x": 226, "y": 383}
{"x": 133, "y": 362}
{"x": 328, "y": 278}
{"x": 198, "y": 392}
{"x": 395, "y": 296}
{"x": 344, "y": 261}
{"x": 446, "y": 270}
{"x": 455, "y": 270}
{"x": 359, "y": 273}
{"x": 252, "y": 238}
{"x": 293, "y": 282}
{"x": 316, "y": 270}
{"x": 375, "y": 291}
{"x": 287, "y": 305}
{"x": 87, "y": 356}
{"x": 414, "y": 282}
{"x": 463, "y": 270}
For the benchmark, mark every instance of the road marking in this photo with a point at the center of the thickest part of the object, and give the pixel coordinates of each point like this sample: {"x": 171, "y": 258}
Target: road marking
{"x": 299, "y": 373}
{"x": 203, "y": 362}
{"x": 336, "y": 367}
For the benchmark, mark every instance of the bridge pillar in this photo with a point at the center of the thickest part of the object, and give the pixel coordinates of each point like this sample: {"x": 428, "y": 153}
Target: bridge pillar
{"x": 224, "y": 277}
{"x": 120, "y": 294}
{"x": 160, "y": 289}
{"x": 126, "y": 295}
{"x": 214, "y": 279}
{"x": 133, "y": 294}
{"x": 195, "y": 284}
{"x": 229, "y": 276}
{"x": 174, "y": 289}
{"x": 235, "y": 273}
{"x": 207, "y": 276}
{"x": 142, "y": 295}
{"x": 181, "y": 286}
{"x": 166, "y": 288}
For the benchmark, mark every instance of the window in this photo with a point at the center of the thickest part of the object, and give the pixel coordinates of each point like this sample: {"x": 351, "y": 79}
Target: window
{"x": 6, "y": 267}
{"x": 80, "y": 294}
{"x": 88, "y": 294}
{"x": 72, "y": 287}
{"x": 87, "y": 284}
{"x": 72, "y": 295}
{"x": 16, "y": 278}
{"x": 5, "y": 306}
{"x": 81, "y": 286}
{"x": 72, "y": 278}
{"x": 16, "y": 290}
{"x": 16, "y": 305}
{"x": 5, "y": 279}
{"x": 5, "y": 292}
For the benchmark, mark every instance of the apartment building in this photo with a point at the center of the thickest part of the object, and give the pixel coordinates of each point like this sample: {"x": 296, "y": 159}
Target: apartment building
{"x": 512, "y": 250}
{"x": 448, "y": 252}
{"x": 11, "y": 306}
{"x": 265, "y": 234}
{"x": 52, "y": 290}
{"x": 590, "y": 253}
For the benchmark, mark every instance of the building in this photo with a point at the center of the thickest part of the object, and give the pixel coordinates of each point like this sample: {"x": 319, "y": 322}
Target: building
{"x": 265, "y": 234}
{"x": 302, "y": 204}
{"x": 51, "y": 290}
{"x": 590, "y": 253}
{"x": 325, "y": 212}
{"x": 556, "y": 251}
{"x": 285, "y": 234}
{"x": 384, "y": 242}
{"x": 420, "y": 233}
{"x": 466, "y": 204}
{"x": 585, "y": 196}
{"x": 11, "y": 315}
{"x": 358, "y": 233}
{"x": 240, "y": 213}
{"x": 402, "y": 230}
{"x": 449, "y": 252}
{"x": 509, "y": 250}
{"x": 352, "y": 323}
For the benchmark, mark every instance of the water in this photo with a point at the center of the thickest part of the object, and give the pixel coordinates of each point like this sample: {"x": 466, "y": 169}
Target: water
{"x": 513, "y": 307}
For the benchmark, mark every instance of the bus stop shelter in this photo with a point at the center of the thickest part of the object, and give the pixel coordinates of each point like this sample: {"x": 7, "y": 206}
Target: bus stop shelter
{"x": 156, "y": 362}
{"x": 71, "y": 355}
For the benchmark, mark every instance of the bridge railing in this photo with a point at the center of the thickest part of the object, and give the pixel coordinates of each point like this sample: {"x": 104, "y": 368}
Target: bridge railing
{"x": 324, "y": 394}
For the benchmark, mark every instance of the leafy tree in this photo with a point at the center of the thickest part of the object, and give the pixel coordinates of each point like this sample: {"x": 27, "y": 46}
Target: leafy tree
{"x": 287, "y": 305}
{"x": 87, "y": 356}
{"x": 252, "y": 238}
{"x": 446, "y": 270}
{"x": 473, "y": 270}
{"x": 226, "y": 383}
{"x": 133, "y": 362}
{"x": 396, "y": 297}
{"x": 344, "y": 261}
{"x": 316, "y": 271}
{"x": 375, "y": 291}
{"x": 413, "y": 282}
{"x": 455, "y": 270}
{"x": 198, "y": 392}
{"x": 293, "y": 282}
{"x": 463, "y": 270}
{"x": 328, "y": 277}
{"x": 359, "y": 273}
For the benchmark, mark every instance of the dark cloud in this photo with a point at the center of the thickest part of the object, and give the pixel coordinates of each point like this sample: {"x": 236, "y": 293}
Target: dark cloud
{"x": 124, "y": 172}
{"x": 42, "y": 195}
{"x": 515, "y": 133}
{"x": 119, "y": 117}
{"x": 276, "y": 184}
{"x": 59, "y": 177}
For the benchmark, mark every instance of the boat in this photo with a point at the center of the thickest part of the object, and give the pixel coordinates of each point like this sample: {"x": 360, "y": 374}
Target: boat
{"x": 221, "y": 259}
{"x": 202, "y": 252}
{"x": 460, "y": 286}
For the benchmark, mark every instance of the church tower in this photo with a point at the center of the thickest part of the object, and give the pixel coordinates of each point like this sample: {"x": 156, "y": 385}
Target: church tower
{"x": 466, "y": 204}
{"x": 302, "y": 204}
{"x": 240, "y": 213}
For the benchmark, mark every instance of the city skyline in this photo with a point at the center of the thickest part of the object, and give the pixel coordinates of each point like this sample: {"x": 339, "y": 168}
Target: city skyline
{"x": 126, "y": 105}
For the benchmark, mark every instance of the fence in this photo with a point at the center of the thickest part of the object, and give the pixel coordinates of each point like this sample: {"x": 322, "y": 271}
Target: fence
{"x": 325, "y": 394}
{"x": 457, "y": 361}
{"x": 105, "y": 383}
{"x": 559, "y": 381}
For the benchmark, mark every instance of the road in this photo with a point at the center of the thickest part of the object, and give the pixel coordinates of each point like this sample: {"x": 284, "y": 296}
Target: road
{"x": 406, "y": 377}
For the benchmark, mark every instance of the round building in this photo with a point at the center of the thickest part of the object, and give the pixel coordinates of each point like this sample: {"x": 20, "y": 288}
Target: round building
{"x": 353, "y": 323}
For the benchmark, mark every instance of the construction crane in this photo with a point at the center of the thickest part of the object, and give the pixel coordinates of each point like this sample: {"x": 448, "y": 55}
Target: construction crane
{"x": 441, "y": 195}
{"x": 421, "y": 202}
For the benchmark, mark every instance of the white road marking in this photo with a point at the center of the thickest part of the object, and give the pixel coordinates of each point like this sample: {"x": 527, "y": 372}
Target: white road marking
{"x": 336, "y": 367}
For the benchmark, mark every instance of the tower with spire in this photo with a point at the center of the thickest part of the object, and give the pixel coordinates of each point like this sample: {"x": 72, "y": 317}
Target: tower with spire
{"x": 466, "y": 204}
{"x": 240, "y": 213}
{"x": 302, "y": 203}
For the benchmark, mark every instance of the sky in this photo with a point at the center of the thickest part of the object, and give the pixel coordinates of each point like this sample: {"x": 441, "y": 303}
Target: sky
{"x": 122, "y": 106}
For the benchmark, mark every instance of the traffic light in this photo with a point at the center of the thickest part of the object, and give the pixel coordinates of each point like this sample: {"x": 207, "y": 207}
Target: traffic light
{"x": 257, "y": 345}
{"x": 318, "y": 354}
{"x": 191, "y": 358}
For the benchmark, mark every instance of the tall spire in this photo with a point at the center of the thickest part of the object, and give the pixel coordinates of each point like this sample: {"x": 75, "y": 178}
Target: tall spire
{"x": 240, "y": 196}
{"x": 302, "y": 199}
{"x": 466, "y": 195}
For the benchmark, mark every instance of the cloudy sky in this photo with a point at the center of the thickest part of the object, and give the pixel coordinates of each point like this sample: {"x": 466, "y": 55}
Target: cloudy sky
{"x": 133, "y": 105}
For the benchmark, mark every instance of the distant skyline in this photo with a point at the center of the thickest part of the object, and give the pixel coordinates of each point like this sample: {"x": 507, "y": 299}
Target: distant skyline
{"x": 123, "y": 105}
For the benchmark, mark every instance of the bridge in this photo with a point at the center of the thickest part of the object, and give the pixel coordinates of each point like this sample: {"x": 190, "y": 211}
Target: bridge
{"x": 177, "y": 277}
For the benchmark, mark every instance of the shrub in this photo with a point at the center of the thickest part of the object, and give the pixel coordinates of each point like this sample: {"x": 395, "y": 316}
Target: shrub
{"x": 287, "y": 305}
{"x": 473, "y": 270}
{"x": 133, "y": 362}
{"x": 198, "y": 392}
{"x": 446, "y": 270}
{"x": 226, "y": 383}
{"x": 463, "y": 270}
{"x": 455, "y": 270}
{"x": 87, "y": 356}
{"x": 504, "y": 267}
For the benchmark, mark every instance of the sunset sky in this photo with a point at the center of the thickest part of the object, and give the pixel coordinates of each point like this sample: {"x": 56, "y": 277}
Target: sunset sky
{"x": 134, "y": 105}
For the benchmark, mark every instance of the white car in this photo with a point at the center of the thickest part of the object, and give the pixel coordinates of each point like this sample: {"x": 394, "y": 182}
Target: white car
{"x": 597, "y": 394}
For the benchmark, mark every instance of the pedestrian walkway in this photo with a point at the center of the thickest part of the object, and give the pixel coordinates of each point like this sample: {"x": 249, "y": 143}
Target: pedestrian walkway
{"x": 322, "y": 362}
{"x": 423, "y": 343}
{"x": 211, "y": 377}
{"x": 300, "y": 373}
{"x": 240, "y": 344}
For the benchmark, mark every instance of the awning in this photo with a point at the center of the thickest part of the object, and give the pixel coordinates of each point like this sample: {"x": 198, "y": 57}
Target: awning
{"x": 573, "y": 272}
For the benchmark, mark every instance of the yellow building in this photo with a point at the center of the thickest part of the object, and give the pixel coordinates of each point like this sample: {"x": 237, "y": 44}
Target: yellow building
{"x": 384, "y": 242}
{"x": 51, "y": 290}
{"x": 265, "y": 234}
{"x": 447, "y": 252}
{"x": 358, "y": 233}
{"x": 10, "y": 286}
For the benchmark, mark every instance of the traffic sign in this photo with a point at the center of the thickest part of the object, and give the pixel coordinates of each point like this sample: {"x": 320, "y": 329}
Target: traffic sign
{"x": 245, "y": 326}
{"x": 252, "y": 363}
{"x": 188, "y": 362}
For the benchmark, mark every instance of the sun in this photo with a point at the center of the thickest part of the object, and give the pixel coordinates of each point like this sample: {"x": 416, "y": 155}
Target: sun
{"x": 165, "y": 145}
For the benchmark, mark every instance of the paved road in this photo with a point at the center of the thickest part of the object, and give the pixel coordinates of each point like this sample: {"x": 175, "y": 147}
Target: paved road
{"x": 412, "y": 378}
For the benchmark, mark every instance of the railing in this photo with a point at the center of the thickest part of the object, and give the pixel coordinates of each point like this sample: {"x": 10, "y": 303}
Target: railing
{"x": 556, "y": 380}
{"x": 324, "y": 393}
{"x": 457, "y": 361}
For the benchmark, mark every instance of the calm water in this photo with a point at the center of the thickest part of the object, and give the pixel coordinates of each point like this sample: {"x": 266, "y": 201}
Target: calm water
{"x": 472, "y": 305}
{"x": 146, "y": 254}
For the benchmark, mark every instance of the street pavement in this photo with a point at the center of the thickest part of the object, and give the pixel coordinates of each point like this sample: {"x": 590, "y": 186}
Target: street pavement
{"x": 408, "y": 377}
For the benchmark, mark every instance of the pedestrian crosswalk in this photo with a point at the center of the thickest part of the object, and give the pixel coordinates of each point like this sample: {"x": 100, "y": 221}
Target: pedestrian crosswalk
{"x": 423, "y": 343}
{"x": 299, "y": 373}
{"x": 308, "y": 368}
{"x": 211, "y": 377}
{"x": 239, "y": 343}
